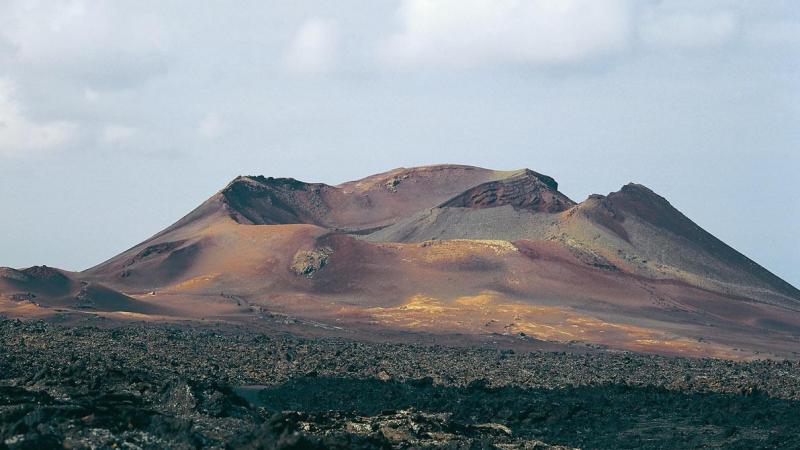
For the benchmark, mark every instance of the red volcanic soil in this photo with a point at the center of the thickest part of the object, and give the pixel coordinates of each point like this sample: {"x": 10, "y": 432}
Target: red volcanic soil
{"x": 41, "y": 287}
{"x": 441, "y": 250}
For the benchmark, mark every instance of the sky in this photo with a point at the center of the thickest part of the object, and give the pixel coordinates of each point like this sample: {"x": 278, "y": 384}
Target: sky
{"x": 117, "y": 118}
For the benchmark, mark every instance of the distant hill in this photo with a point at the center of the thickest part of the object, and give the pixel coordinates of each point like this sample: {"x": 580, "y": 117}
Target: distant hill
{"x": 442, "y": 249}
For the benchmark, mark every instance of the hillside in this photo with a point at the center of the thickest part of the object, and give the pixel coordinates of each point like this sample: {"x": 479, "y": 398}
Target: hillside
{"x": 447, "y": 250}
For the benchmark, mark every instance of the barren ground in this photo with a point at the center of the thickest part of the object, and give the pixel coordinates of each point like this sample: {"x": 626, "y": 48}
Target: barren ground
{"x": 99, "y": 383}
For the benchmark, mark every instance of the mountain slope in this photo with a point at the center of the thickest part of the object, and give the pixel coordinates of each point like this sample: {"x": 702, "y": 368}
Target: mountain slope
{"x": 358, "y": 206}
{"x": 457, "y": 249}
{"x": 45, "y": 287}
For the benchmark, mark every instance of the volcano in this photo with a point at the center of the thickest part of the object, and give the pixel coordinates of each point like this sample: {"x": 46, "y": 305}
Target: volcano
{"x": 440, "y": 250}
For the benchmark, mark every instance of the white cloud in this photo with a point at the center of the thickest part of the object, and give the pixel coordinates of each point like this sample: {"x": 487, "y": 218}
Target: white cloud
{"x": 465, "y": 33}
{"x": 116, "y": 134}
{"x": 688, "y": 30}
{"x": 314, "y": 46}
{"x": 20, "y": 135}
{"x": 93, "y": 43}
{"x": 211, "y": 127}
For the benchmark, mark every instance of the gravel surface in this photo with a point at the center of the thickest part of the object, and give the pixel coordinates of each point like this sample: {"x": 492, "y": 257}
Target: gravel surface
{"x": 156, "y": 385}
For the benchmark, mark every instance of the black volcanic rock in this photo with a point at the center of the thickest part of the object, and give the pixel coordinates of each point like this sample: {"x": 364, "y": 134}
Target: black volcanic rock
{"x": 264, "y": 201}
{"x": 184, "y": 386}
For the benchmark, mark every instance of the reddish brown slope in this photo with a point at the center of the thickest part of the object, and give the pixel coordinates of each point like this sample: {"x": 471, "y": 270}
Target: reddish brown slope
{"x": 646, "y": 231}
{"x": 639, "y": 201}
{"x": 42, "y": 286}
{"x": 544, "y": 289}
{"x": 454, "y": 249}
{"x": 371, "y": 203}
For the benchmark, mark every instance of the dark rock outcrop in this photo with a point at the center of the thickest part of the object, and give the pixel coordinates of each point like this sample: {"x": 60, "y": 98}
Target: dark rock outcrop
{"x": 528, "y": 190}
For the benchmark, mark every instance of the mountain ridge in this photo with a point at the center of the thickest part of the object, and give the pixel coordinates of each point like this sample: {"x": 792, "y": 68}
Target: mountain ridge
{"x": 453, "y": 245}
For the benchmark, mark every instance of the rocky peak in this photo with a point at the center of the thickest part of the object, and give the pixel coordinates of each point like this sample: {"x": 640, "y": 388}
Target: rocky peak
{"x": 525, "y": 189}
{"x": 548, "y": 181}
{"x": 639, "y": 191}
{"x": 252, "y": 183}
{"x": 45, "y": 273}
{"x": 646, "y": 204}
{"x": 266, "y": 200}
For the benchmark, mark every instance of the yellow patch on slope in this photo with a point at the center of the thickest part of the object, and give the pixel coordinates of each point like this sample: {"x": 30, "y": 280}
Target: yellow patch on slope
{"x": 198, "y": 281}
{"x": 491, "y": 312}
{"x": 485, "y": 298}
{"x": 453, "y": 250}
{"x": 421, "y": 303}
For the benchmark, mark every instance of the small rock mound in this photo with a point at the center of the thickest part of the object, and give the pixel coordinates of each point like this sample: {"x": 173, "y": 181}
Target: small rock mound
{"x": 13, "y": 274}
{"x": 44, "y": 273}
{"x": 308, "y": 262}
